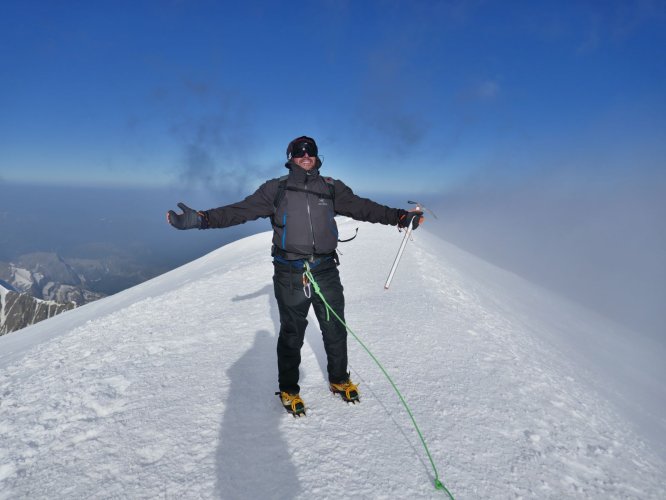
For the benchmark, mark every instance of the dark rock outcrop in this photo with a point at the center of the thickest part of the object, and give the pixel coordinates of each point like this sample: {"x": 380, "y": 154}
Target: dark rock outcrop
{"x": 18, "y": 310}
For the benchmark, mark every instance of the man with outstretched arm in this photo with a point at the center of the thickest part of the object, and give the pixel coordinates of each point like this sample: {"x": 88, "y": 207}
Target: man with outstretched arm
{"x": 302, "y": 206}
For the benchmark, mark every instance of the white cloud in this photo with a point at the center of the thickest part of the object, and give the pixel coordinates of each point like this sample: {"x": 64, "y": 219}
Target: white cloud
{"x": 487, "y": 89}
{"x": 484, "y": 90}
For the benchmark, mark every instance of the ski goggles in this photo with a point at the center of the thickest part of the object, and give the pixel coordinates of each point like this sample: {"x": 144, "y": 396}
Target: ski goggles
{"x": 299, "y": 149}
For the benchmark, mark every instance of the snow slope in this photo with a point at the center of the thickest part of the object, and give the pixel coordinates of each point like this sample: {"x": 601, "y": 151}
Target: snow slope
{"x": 166, "y": 389}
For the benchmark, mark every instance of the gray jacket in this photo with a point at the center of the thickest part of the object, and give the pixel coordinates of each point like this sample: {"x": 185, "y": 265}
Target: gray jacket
{"x": 303, "y": 222}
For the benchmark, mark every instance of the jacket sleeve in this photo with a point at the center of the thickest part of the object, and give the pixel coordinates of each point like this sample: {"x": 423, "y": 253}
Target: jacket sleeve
{"x": 363, "y": 209}
{"x": 258, "y": 204}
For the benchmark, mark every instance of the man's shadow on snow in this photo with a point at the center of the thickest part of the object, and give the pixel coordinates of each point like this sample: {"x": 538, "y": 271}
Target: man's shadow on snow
{"x": 253, "y": 459}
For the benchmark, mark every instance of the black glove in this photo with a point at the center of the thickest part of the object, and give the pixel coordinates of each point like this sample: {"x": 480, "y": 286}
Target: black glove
{"x": 189, "y": 219}
{"x": 413, "y": 218}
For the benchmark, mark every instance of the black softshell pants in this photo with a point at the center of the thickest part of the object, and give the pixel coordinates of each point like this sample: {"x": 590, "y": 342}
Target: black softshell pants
{"x": 294, "y": 307}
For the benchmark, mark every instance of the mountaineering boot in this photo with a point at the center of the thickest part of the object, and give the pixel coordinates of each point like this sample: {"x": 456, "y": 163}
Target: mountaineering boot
{"x": 348, "y": 391}
{"x": 292, "y": 403}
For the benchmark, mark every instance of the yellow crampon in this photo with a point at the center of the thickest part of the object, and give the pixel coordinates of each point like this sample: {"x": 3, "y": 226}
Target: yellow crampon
{"x": 292, "y": 401}
{"x": 348, "y": 390}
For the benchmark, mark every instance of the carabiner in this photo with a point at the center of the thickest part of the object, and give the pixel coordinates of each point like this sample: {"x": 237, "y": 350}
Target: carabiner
{"x": 306, "y": 286}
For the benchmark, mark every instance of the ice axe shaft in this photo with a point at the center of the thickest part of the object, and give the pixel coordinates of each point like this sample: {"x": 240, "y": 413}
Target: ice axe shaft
{"x": 408, "y": 233}
{"x": 405, "y": 239}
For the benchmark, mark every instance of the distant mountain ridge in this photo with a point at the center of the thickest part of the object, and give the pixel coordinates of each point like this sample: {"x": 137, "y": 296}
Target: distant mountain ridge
{"x": 38, "y": 286}
{"x": 52, "y": 284}
{"x": 7, "y": 286}
{"x": 47, "y": 276}
{"x": 18, "y": 310}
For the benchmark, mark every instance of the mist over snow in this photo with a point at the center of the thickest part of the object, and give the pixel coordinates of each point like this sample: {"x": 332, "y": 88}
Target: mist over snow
{"x": 166, "y": 389}
{"x": 599, "y": 241}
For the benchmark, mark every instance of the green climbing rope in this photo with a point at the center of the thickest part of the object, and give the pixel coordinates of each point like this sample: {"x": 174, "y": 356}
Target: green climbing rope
{"x": 438, "y": 484}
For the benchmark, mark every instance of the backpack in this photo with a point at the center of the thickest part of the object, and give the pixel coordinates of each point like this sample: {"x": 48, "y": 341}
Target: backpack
{"x": 282, "y": 187}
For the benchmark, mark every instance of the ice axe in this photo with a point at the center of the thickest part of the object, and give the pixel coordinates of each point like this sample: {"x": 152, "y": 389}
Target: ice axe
{"x": 405, "y": 239}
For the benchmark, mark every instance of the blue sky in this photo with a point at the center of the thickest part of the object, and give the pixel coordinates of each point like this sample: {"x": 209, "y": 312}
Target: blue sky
{"x": 536, "y": 130}
{"x": 417, "y": 95}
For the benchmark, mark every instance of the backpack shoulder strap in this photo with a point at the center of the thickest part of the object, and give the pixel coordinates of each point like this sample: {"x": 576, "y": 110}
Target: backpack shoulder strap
{"x": 330, "y": 183}
{"x": 279, "y": 194}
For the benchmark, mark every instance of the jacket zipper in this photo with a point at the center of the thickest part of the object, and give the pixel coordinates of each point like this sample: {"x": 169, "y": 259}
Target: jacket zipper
{"x": 307, "y": 204}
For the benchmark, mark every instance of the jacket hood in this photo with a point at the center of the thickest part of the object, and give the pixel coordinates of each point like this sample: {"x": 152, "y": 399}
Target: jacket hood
{"x": 299, "y": 174}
